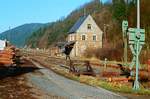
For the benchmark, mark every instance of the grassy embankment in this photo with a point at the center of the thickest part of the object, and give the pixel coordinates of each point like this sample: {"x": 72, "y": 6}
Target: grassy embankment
{"x": 96, "y": 82}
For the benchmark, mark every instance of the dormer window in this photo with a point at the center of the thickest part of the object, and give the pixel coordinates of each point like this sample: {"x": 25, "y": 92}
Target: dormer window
{"x": 89, "y": 26}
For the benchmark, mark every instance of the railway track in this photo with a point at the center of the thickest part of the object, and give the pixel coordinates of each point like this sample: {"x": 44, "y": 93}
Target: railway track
{"x": 50, "y": 61}
{"x": 62, "y": 62}
{"x": 46, "y": 54}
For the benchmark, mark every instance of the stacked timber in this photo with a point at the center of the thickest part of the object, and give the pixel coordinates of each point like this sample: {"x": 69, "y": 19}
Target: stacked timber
{"x": 118, "y": 79}
{"x": 6, "y": 56}
{"x": 110, "y": 74}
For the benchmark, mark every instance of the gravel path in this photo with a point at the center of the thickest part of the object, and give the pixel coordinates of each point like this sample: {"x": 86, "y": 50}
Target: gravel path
{"x": 63, "y": 88}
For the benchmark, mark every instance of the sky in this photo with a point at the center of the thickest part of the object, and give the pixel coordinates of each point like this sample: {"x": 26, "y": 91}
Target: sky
{"x": 18, "y": 12}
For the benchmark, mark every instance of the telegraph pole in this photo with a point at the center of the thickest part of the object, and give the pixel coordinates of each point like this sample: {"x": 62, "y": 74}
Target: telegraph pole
{"x": 125, "y": 37}
{"x": 136, "y": 82}
{"x": 136, "y": 41}
{"x": 125, "y": 49}
{"x": 124, "y": 31}
{"x": 105, "y": 36}
{"x": 138, "y": 14}
{"x": 125, "y": 58}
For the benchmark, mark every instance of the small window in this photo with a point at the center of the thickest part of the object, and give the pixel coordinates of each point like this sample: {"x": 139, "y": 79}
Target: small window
{"x": 83, "y": 37}
{"x": 94, "y": 37}
{"x": 70, "y": 37}
{"x": 89, "y": 26}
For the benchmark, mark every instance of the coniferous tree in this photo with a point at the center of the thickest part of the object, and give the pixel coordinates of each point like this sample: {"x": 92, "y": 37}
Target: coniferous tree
{"x": 119, "y": 10}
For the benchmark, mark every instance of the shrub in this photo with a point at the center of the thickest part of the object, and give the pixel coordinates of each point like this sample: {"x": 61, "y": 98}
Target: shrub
{"x": 102, "y": 53}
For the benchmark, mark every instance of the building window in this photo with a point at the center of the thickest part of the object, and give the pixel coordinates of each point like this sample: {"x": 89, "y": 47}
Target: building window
{"x": 89, "y": 26}
{"x": 70, "y": 37}
{"x": 94, "y": 37}
{"x": 73, "y": 38}
{"x": 83, "y": 37}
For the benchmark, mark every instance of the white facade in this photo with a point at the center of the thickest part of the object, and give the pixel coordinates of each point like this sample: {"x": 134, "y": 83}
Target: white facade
{"x": 2, "y": 44}
{"x": 94, "y": 27}
{"x": 84, "y": 34}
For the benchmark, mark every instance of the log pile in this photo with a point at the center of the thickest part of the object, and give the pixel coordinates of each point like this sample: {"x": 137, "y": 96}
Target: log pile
{"x": 118, "y": 79}
{"x": 110, "y": 74}
{"x": 7, "y": 56}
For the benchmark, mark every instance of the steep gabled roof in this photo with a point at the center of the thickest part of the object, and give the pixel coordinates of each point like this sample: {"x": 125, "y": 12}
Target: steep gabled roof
{"x": 77, "y": 25}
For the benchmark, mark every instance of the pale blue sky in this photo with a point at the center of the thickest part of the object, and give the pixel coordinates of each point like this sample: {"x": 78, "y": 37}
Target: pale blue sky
{"x": 17, "y": 12}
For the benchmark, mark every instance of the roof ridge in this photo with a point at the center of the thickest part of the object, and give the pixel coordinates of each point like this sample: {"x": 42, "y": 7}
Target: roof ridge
{"x": 78, "y": 23}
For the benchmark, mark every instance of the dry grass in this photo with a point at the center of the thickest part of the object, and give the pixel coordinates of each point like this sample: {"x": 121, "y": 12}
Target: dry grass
{"x": 112, "y": 86}
{"x": 102, "y": 53}
{"x": 95, "y": 81}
